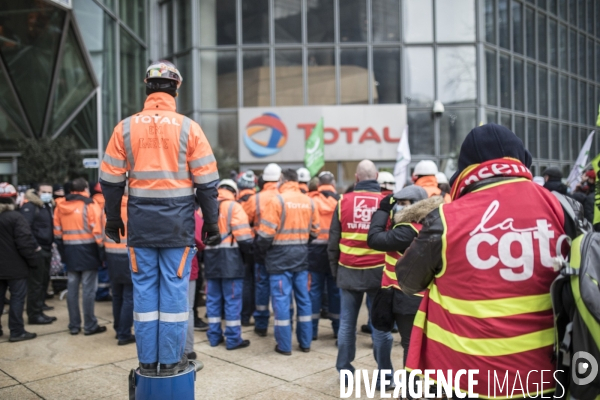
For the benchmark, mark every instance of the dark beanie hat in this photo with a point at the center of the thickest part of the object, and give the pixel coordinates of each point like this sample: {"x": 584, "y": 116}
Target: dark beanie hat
{"x": 553, "y": 173}
{"x": 489, "y": 142}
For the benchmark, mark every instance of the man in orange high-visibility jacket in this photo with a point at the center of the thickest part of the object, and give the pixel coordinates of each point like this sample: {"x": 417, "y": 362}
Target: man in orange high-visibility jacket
{"x": 247, "y": 198}
{"x": 326, "y": 199}
{"x": 289, "y": 223}
{"x": 78, "y": 235}
{"x": 357, "y": 268}
{"x": 166, "y": 155}
{"x": 117, "y": 265}
{"x": 224, "y": 270}
{"x": 271, "y": 175}
{"x": 424, "y": 175}
{"x": 103, "y": 293}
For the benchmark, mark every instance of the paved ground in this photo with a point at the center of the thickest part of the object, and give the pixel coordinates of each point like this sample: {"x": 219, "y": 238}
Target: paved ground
{"x": 57, "y": 365}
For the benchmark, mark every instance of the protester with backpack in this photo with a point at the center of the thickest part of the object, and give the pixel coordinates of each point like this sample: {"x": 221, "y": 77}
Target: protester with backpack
{"x": 486, "y": 260}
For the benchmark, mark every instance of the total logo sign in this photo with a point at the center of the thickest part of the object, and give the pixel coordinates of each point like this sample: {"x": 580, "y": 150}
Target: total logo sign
{"x": 278, "y": 134}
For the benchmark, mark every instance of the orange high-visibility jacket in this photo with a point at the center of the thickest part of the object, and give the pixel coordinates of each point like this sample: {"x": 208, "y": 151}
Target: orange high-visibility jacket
{"x": 429, "y": 183}
{"x": 166, "y": 155}
{"x": 78, "y": 231}
{"x": 225, "y": 260}
{"x": 326, "y": 199}
{"x": 288, "y": 222}
{"x": 247, "y": 198}
{"x": 109, "y": 245}
{"x": 261, "y": 200}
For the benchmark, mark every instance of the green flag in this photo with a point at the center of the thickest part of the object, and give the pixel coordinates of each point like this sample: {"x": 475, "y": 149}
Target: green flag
{"x": 596, "y": 166}
{"x": 598, "y": 119}
{"x": 314, "y": 153}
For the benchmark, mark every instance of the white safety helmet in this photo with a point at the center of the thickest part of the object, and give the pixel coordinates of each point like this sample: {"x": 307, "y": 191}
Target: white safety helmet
{"x": 386, "y": 180}
{"x": 165, "y": 70}
{"x": 441, "y": 178}
{"x": 425, "y": 168}
{"x": 303, "y": 175}
{"x": 271, "y": 173}
{"x": 7, "y": 190}
{"x": 229, "y": 183}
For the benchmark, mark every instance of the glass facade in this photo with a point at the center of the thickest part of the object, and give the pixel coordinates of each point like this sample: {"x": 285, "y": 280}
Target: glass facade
{"x": 547, "y": 74}
{"x": 529, "y": 66}
{"x": 69, "y": 71}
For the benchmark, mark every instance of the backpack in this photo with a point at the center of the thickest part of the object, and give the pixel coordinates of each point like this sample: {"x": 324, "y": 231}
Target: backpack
{"x": 575, "y": 297}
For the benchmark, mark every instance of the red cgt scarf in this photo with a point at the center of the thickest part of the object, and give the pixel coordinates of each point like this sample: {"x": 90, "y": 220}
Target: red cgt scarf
{"x": 508, "y": 167}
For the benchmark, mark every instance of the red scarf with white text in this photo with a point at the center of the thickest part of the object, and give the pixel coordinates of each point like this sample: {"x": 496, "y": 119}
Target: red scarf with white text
{"x": 500, "y": 167}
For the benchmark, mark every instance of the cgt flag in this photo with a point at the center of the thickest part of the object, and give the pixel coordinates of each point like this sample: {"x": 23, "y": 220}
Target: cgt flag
{"x": 314, "y": 153}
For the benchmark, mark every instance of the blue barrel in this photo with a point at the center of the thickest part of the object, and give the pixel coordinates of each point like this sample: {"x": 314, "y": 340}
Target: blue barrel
{"x": 176, "y": 387}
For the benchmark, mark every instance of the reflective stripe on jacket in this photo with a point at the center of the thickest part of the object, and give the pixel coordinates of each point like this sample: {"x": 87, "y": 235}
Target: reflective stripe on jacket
{"x": 225, "y": 260}
{"x": 488, "y": 306}
{"x": 109, "y": 245}
{"x": 355, "y": 211}
{"x": 77, "y": 221}
{"x": 166, "y": 155}
{"x": 287, "y": 223}
{"x": 261, "y": 200}
{"x": 388, "y": 278}
{"x": 247, "y": 198}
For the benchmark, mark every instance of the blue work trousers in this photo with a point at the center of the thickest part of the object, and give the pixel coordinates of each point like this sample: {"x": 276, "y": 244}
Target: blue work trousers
{"x": 103, "y": 290}
{"x": 261, "y": 297}
{"x": 351, "y": 301}
{"x": 224, "y": 294}
{"x": 281, "y": 290}
{"x": 317, "y": 282}
{"x": 160, "y": 301}
{"x": 122, "y": 302}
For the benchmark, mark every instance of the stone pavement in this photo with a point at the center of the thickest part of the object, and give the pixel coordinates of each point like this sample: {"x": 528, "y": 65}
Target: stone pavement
{"x": 57, "y": 365}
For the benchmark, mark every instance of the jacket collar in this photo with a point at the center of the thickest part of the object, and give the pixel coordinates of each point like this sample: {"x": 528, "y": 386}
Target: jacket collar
{"x": 370, "y": 185}
{"x": 269, "y": 186}
{"x": 289, "y": 187}
{"x": 326, "y": 188}
{"x": 81, "y": 196}
{"x": 32, "y": 197}
{"x": 160, "y": 101}
{"x": 426, "y": 181}
{"x": 225, "y": 194}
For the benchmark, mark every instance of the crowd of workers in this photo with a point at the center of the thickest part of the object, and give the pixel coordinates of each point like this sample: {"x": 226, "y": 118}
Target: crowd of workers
{"x": 174, "y": 240}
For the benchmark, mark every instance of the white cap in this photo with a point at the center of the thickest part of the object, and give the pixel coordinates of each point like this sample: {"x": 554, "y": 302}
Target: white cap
{"x": 425, "y": 167}
{"x": 228, "y": 182}
{"x": 303, "y": 175}
{"x": 271, "y": 173}
{"x": 386, "y": 180}
{"x": 441, "y": 178}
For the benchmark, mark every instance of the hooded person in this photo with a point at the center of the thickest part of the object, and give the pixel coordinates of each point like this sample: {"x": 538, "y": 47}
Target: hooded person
{"x": 38, "y": 211}
{"x": 552, "y": 180}
{"x": 405, "y": 209}
{"x": 479, "y": 288}
{"x": 585, "y": 194}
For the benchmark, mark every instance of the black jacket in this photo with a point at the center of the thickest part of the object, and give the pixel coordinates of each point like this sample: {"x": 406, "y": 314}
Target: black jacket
{"x": 39, "y": 216}
{"x": 347, "y": 278}
{"x": 556, "y": 186}
{"x": 587, "y": 200}
{"x": 399, "y": 238}
{"x": 426, "y": 250}
{"x": 17, "y": 246}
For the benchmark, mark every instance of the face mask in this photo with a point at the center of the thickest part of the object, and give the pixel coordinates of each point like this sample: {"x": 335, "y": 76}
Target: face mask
{"x": 398, "y": 208}
{"x": 46, "y": 197}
